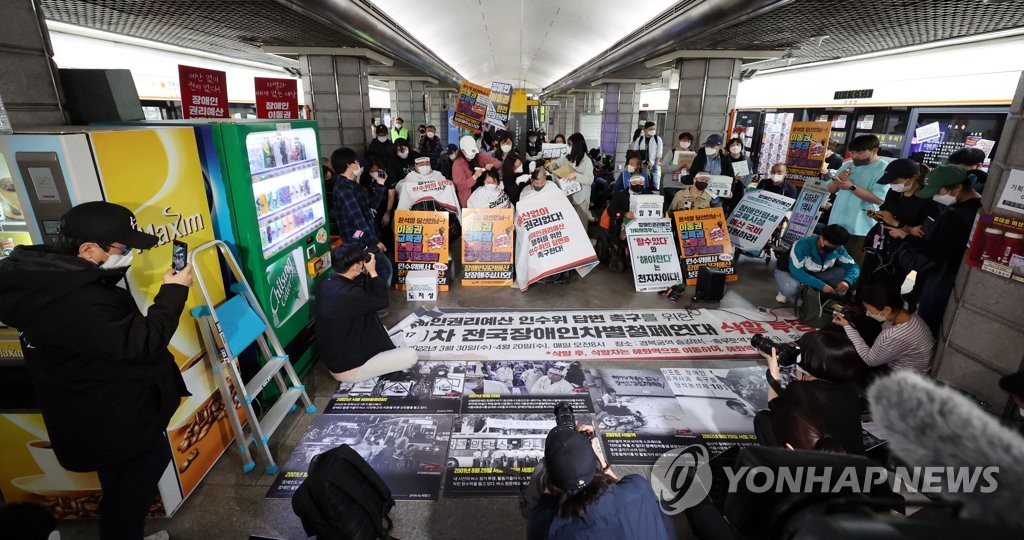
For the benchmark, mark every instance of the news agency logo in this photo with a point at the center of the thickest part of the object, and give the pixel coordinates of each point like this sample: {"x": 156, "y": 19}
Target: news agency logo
{"x": 681, "y": 478}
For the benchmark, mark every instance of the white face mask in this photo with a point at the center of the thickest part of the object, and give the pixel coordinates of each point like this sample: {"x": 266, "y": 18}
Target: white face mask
{"x": 898, "y": 188}
{"x": 710, "y": 151}
{"x": 398, "y": 126}
{"x": 118, "y": 261}
{"x": 630, "y": 168}
{"x": 491, "y": 187}
{"x": 403, "y": 154}
{"x": 735, "y": 149}
{"x": 453, "y": 155}
{"x": 533, "y": 139}
{"x": 944, "y": 200}
{"x": 423, "y": 169}
{"x": 506, "y": 148}
{"x": 357, "y": 173}
{"x": 651, "y": 132}
{"x": 430, "y": 134}
{"x": 876, "y": 316}
{"x": 683, "y": 145}
{"x": 382, "y": 138}
{"x": 778, "y": 178}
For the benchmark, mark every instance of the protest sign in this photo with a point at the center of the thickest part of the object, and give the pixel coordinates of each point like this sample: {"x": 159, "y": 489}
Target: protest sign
{"x": 806, "y": 153}
{"x": 683, "y": 158}
{"x": 647, "y": 206}
{"x": 524, "y": 386}
{"x": 805, "y": 211}
{"x": 720, "y": 186}
{"x": 421, "y": 243}
{"x": 550, "y": 239}
{"x": 204, "y": 92}
{"x": 740, "y": 168}
{"x": 499, "y": 100}
{"x": 553, "y": 151}
{"x": 471, "y": 108}
{"x": 756, "y": 217}
{"x": 655, "y": 262}
{"x": 277, "y": 99}
{"x": 487, "y": 247}
{"x": 704, "y": 241}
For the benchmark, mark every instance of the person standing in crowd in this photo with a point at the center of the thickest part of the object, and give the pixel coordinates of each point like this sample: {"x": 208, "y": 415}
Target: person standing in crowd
{"x": 905, "y": 341}
{"x": 354, "y": 344}
{"x": 105, "y": 381}
{"x": 857, "y": 191}
{"x": 446, "y": 161}
{"x": 355, "y": 208}
{"x": 430, "y": 146}
{"x": 651, "y": 147}
{"x": 739, "y": 181}
{"x": 683, "y": 143}
{"x": 511, "y": 169}
{"x": 583, "y": 172}
{"x": 421, "y": 133}
{"x": 632, "y": 170}
{"x": 694, "y": 196}
{"x": 534, "y": 146}
{"x": 469, "y": 166}
{"x": 553, "y": 383}
{"x": 559, "y": 139}
{"x": 819, "y": 262}
{"x": 777, "y": 182}
{"x": 398, "y": 129}
{"x": 710, "y": 160}
{"x": 899, "y": 213}
{"x": 329, "y": 177}
{"x": 402, "y": 162}
{"x": 489, "y": 193}
{"x": 505, "y": 145}
{"x": 971, "y": 160}
{"x": 946, "y": 240}
{"x": 380, "y": 147}
{"x": 371, "y": 173}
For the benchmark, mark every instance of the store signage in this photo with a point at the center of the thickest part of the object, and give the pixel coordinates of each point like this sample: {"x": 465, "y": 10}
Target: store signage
{"x": 277, "y": 99}
{"x": 854, "y": 94}
{"x": 204, "y": 92}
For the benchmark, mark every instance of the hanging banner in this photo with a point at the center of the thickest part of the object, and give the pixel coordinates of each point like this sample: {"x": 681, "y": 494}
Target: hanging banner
{"x": 647, "y": 206}
{"x": 499, "y": 101}
{"x": 756, "y": 217}
{"x": 704, "y": 241}
{"x": 806, "y": 154}
{"x": 655, "y": 263}
{"x": 550, "y": 239}
{"x": 277, "y": 99}
{"x": 997, "y": 246}
{"x": 471, "y": 109}
{"x": 204, "y": 92}
{"x": 434, "y": 187}
{"x": 487, "y": 247}
{"x": 805, "y": 212}
{"x": 421, "y": 243}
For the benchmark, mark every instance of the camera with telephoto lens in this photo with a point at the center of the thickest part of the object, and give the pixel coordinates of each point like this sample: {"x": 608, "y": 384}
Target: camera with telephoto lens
{"x": 564, "y": 416}
{"x": 787, "y": 353}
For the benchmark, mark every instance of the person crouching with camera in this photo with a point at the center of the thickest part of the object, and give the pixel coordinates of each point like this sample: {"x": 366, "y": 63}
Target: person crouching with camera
{"x": 353, "y": 342}
{"x": 821, "y": 409}
{"x": 583, "y": 498}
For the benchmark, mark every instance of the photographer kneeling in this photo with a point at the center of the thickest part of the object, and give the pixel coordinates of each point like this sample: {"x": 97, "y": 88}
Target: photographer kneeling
{"x": 354, "y": 344}
{"x": 582, "y": 498}
{"x": 820, "y": 410}
{"x": 905, "y": 341}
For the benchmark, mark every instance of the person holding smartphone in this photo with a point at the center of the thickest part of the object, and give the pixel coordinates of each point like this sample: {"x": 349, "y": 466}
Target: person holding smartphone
{"x": 354, "y": 207}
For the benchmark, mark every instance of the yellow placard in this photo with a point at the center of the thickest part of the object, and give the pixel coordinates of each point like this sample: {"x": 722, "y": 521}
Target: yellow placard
{"x": 488, "y": 247}
{"x": 421, "y": 243}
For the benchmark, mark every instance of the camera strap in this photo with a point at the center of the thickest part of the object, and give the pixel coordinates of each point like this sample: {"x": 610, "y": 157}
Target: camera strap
{"x": 773, "y": 382}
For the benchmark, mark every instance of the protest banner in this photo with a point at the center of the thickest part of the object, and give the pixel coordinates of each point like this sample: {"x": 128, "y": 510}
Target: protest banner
{"x": 647, "y": 206}
{"x": 471, "y": 108}
{"x": 704, "y": 241}
{"x": 277, "y": 99}
{"x": 499, "y": 101}
{"x": 204, "y": 92}
{"x": 550, "y": 239}
{"x": 524, "y": 386}
{"x": 655, "y": 262}
{"x": 997, "y": 246}
{"x": 806, "y": 153}
{"x": 805, "y": 212}
{"x": 487, "y": 247}
{"x": 756, "y": 217}
{"x": 437, "y": 188}
{"x": 720, "y": 186}
{"x": 426, "y": 387}
{"x": 553, "y": 151}
{"x": 421, "y": 243}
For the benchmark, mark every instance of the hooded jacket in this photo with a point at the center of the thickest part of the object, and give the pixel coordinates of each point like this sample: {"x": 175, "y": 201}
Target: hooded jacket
{"x": 106, "y": 383}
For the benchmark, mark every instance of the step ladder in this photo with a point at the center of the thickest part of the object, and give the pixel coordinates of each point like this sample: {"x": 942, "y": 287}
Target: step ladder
{"x": 227, "y": 330}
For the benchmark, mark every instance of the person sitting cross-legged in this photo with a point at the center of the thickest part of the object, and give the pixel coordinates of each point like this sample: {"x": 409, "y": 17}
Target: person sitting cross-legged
{"x": 819, "y": 262}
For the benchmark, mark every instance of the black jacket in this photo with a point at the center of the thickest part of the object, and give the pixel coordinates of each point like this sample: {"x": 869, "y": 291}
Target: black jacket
{"x": 347, "y": 326}
{"x": 106, "y": 383}
{"x": 700, "y": 164}
{"x": 807, "y": 411}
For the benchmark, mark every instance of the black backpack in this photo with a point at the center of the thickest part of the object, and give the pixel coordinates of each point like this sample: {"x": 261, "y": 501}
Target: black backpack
{"x": 343, "y": 498}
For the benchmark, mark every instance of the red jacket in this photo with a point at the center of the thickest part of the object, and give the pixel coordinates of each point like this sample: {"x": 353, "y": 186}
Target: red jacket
{"x": 462, "y": 174}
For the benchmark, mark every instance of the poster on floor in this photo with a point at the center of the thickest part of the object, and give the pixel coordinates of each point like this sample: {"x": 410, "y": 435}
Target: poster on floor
{"x": 488, "y": 247}
{"x": 406, "y": 451}
{"x": 421, "y": 243}
{"x": 704, "y": 241}
{"x": 550, "y": 239}
{"x": 522, "y": 335}
{"x": 756, "y": 217}
{"x": 471, "y": 108}
{"x": 806, "y": 155}
{"x": 719, "y": 402}
{"x": 494, "y": 455}
{"x": 499, "y": 103}
{"x": 654, "y": 260}
{"x": 427, "y": 387}
{"x": 204, "y": 92}
{"x": 277, "y": 99}
{"x": 526, "y": 386}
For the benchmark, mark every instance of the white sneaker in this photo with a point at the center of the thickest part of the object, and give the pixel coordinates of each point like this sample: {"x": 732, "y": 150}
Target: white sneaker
{"x": 781, "y": 298}
{"x": 159, "y": 535}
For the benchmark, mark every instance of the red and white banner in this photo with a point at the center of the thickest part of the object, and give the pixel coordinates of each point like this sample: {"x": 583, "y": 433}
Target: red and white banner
{"x": 277, "y": 99}
{"x": 204, "y": 92}
{"x": 550, "y": 239}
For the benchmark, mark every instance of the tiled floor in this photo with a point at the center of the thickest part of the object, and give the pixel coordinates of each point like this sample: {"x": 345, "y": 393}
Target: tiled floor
{"x": 231, "y": 505}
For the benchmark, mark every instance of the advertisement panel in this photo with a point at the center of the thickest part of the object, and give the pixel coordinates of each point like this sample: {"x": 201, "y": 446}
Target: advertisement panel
{"x": 488, "y": 247}
{"x": 806, "y": 154}
{"x": 204, "y": 92}
{"x": 704, "y": 241}
{"x": 289, "y": 289}
{"x": 997, "y": 246}
{"x": 421, "y": 243}
{"x": 277, "y": 99}
{"x": 471, "y": 109}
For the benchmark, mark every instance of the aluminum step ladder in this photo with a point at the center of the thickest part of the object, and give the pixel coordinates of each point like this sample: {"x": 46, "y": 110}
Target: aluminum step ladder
{"x": 230, "y": 328}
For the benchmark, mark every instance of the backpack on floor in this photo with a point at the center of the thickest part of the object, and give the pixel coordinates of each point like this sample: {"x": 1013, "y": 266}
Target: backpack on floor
{"x": 343, "y": 498}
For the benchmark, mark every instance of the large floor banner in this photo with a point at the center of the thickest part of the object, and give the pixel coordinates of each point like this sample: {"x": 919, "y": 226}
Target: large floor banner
{"x": 550, "y": 239}
{"x": 427, "y": 387}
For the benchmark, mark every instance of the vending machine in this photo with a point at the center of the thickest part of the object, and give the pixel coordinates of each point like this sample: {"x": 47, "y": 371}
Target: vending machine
{"x": 156, "y": 173}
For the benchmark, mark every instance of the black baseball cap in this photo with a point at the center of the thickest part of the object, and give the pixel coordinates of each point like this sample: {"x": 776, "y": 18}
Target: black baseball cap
{"x": 899, "y": 168}
{"x": 569, "y": 459}
{"x": 1013, "y": 384}
{"x": 101, "y": 221}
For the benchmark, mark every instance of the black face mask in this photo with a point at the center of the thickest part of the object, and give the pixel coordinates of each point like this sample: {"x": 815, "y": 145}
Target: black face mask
{"x": 636, "y": 189}
{"x": 827, "y": 249}
{"x": 701, "y": 185}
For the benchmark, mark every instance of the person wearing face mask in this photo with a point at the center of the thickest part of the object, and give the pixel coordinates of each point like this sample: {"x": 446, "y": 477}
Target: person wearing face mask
{"x": 421, "y": 133}
{"x": 651, "y": 147}
{"x": 354, "y": 207}
{"x": 694, "y": 195}
{"x": 425, "y": 184}
{"x": 777, "y": 183}
{"x": 430, "y": 146}
{"x": 583, "y": 172}
{"x": 946, "y": 240}
{"x": 534, "y": 146}
{"x": 354, "y": 344}
{"x": 447, "y": 159}
{"x": 469, "y": 166}
{"x": 105, "y": 381}
{"x": 632, "y": 170}
{"x": 398, "y": 129}
{"x": 505, "y": 145}
{"x": 857, "y": 190}
{"x": 819, "y": 262}
{"x": 971, "y": 160}
{"x": 739, "y": 182}
{"x": 381, "y": 146}
{"x": 905, "y": 341}
{"x": 402, "y": 162}
{"x": 490, "y": 194}
{"x": 711, "y": 160}
{"x": 538, "y": 182}
{"x": 683, "y": 144}
{"x": 617, "y": 213}
{"x": 511, "y": 169}
{"x": 899, "y": 213}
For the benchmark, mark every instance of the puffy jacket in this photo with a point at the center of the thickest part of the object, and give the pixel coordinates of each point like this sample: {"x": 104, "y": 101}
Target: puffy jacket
{"x": 347, "y": 326}
{"x": 805, "y": 261}
{"x": 106, "y": 383}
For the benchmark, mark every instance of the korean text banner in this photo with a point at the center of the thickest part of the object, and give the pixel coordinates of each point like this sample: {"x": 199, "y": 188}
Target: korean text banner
{"x": 550, "y": 239}
{"x": 441, "y": 190}
{"x": 499, "y": 101}
{"x": 471, "y": 109}
{"x": 204, "y": 92}
{"x": 806, "y": 154}
{"x": 655, "y": 263}
{"x": 277, "y": 99}
{"x": 487, "y": 247}
{"x": 647, "y": 206}
{"x": 756, "y": 218}
{"x": 704, "y": 241}
{"x": 421, "y": 243}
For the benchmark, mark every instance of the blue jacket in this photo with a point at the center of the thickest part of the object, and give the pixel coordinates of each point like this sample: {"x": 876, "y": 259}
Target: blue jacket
{"x": 805, "y": 262}
{"x": 627, "y": 511}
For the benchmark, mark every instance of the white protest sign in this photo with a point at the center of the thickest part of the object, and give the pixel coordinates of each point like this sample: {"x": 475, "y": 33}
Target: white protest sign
{"x": 570, "y": 187}
{"x": 805, "y": 214}
{"x": 417, "y": 188}
{"x": 647, "y": 206}
{"x": 756, "y": 218}
{"x": 553, "y": 151}
{"x": 720, "y": 186}
{"x": 1012, "y": 197}
{"x": 550, "y": 239}
{"x": 652, "y": 250}
{"x": 739, "y": 168}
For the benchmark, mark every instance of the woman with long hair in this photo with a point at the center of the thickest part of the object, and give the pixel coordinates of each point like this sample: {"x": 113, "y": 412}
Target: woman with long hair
{"x": 511, "y": 169}
{"x": 582, "y": 172}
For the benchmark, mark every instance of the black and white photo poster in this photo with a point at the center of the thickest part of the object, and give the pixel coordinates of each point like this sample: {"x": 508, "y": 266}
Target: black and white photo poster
{"x": 427, "y": 387}
{"x": 524, "y": 386}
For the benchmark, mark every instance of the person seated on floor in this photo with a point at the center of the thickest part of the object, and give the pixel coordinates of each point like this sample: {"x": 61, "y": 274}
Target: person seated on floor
{"x": 905, "y": 341}
{"x": 694, "y": 195}
{"x": 554, "y": 382}
{"x": 489, "y": 193}
{"x": 777, "y": 182}
{"x": 353, "y": 342}
{"x": 536, "y": 183}
{"x": 821, "y": 409}
{"x": 632, "y": 170}
{"x": 819, "y": 262}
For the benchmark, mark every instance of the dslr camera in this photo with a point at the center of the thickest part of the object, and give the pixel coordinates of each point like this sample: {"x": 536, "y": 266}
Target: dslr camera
{"x": 564, "y": 416}
{"x": 787, "y": 353}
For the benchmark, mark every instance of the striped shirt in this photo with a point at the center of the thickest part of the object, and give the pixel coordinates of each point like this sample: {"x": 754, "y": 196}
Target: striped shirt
{"x": 909, "y": 346}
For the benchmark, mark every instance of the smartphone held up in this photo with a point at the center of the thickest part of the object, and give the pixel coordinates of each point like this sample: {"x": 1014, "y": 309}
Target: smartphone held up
{"x": 179, "y": 255}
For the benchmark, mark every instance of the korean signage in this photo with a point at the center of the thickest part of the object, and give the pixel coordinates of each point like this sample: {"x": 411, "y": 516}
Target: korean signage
{"x": 647, "y": 206}
{"x": 1012, "y": 197}
{"x": 277, "y": 99}
{"x": 756, "y": 217}
{"x": 499, "y": 101}
{"x": 806, "y": 154}
{"x": 704, "y": 241}
{"x": 487, "y": 247}
{"x": 805, "y": 212}
{"x": 471, "y": 109}
{"x": 421, "y": 243}
{"x": 655, "y": 263}
{"x": 204, "y": 92}
{"x": 550, "y": 239}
